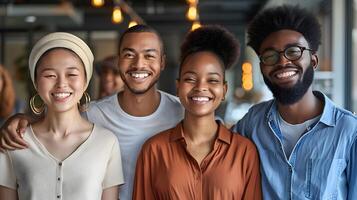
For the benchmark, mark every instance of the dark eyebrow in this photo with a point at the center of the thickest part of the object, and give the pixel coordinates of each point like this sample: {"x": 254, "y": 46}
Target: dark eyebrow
{"x": 51, "y": 68}
{"x": 286, "y": 46}
{"x": 151, "y": 50}
{"x": 214, "y": 73}
{"x": 145, "y": 50}
{"x": 210, "y": 73}
{"x": 47, "y": 69}
{"x": 73, "y": 68}
{"x": 128, "y": 49}
{"x": 189, "y": 72}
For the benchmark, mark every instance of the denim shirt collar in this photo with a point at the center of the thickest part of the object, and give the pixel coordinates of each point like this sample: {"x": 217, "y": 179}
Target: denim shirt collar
{"x": 328, "y": 116}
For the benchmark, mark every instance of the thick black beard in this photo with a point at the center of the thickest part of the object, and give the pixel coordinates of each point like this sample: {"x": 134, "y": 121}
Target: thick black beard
{"x": 288, "y": 96}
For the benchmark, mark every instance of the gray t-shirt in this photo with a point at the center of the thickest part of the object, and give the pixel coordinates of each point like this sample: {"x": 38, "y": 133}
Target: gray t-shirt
{"x": 133, "y": 131}
{"x": 292, "y": 132}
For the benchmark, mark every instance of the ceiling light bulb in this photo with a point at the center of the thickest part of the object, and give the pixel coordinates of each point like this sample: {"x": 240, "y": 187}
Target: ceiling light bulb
{"x": 97, "y": 3}
{"x": 192, "y": 2}
{"x": 192, "y": 13}
{"x": 117, "y": 16}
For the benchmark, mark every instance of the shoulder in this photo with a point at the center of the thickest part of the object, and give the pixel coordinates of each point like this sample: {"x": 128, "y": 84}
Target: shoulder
{"x": 333, "y": 114}
{"x": 170, "y": 99}
{"x": 104, "y": 135}
{"x": 104, "y": 102}
{"x": 346, "y": 119}
{"x": 243, "y": 142}
{"x": 260, "y": 108}
{"x": 254, "y": 116}
{"x": 158, "y": 141}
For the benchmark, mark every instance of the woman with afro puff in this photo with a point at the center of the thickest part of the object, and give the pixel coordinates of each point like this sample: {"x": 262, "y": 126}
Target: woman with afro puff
{"x": 200, "y": 158}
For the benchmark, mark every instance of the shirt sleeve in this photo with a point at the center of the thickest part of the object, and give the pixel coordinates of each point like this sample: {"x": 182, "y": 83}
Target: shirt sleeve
{"x": 7, "y": 174}
{"x": 253, "y": 183}
{"x": 352, "y": 172}
{"x": 142, "y": 183}
{"x": 114, "y": 174}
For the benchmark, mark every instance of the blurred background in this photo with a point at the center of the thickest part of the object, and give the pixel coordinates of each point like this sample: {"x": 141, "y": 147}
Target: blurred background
{"x": 100, "y": 23}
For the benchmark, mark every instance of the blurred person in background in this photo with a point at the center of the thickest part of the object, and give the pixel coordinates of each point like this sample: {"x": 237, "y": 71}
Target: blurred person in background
{"x": 110, "y": 80}
{"x": 7, "y": 95}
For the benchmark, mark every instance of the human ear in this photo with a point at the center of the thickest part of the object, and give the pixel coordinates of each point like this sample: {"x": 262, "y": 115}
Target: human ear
{"x": 163, "y": 62}
{"x": 314, "y": 61}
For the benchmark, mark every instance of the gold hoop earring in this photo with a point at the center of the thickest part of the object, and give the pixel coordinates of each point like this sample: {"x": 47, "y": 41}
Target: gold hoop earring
{"x": 37, "y": 110}
{"x": 84, "y": 104}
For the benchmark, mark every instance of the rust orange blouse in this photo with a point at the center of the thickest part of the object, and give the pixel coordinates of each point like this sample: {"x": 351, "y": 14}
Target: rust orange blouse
{"x": 165, "y": 169}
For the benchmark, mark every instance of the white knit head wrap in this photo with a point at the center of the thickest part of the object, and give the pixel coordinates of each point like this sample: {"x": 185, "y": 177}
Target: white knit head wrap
{"x": 61, "y": 40}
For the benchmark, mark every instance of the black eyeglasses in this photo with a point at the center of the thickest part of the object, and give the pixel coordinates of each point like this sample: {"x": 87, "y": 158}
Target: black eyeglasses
{"x": 292, "y": 53}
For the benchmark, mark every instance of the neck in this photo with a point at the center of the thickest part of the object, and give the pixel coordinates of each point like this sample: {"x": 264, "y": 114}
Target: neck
{"x": 62, "y": 122}
{"x": 308, "y": 107}
{"x": 139, "y": 104}
{"x": 199, "y": 129}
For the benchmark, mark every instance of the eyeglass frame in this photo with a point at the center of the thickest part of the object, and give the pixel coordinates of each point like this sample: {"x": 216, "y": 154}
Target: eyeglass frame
{"x": 302, "y": 49}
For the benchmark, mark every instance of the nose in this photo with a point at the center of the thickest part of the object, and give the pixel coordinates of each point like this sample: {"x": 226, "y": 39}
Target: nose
{"x": 139, "y": 62}
{"x": 282, "y": 61}
{"x": 201, "y": 86}
{"x": 61, "y": 81}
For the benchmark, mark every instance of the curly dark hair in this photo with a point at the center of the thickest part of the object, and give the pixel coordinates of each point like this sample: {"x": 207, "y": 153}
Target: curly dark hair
{"x": 284, "y": 17}
{"x": 215, "y": 39}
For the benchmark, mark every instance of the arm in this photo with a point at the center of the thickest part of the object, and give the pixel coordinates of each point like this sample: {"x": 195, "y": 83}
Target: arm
{"x": 7, "y": 193}
{"x": 114, "y": 173}
{"x": 111, "y": 193}
{"x": 352, "y": 173}
{"x": 11, "y": 133}
{"x": 252, "y": 189}
{"x": 142, "y": 189}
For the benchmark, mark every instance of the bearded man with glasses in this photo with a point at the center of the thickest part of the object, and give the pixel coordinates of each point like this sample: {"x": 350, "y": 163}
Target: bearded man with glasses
{"x": 307, "y": 145}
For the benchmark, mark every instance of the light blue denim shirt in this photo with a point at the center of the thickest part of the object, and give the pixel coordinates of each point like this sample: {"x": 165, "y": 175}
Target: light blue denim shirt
{"x": 323, "y": 163}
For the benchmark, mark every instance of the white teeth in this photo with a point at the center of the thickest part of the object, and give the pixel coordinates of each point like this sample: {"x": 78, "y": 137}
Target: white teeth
{"x": 286, "y": 74}
{"x": 200, "y": 99}
{"x": 139, "y": 75}
{"x": 61, "y": 95}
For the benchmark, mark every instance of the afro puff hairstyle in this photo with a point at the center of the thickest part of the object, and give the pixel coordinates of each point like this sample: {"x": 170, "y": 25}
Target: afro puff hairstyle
{"x": 215, "y": 39}
{"x": 284, "y": 17}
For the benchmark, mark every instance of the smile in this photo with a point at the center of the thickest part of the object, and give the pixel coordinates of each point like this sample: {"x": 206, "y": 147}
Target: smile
{"x": 201, "y": 99}
{"x": 139, "y": 75}
{"x": 285, "y": 75}
{"x": 61, "y": 95}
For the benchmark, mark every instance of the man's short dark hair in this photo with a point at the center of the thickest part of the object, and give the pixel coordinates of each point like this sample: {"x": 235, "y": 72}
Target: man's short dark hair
{"x": 141, "y": 28}
{"x": 284, "y": 17}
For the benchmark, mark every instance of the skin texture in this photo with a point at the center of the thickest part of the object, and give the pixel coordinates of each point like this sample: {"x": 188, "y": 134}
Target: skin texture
{"x": 307, "y": 106}
{"x": 201, "y": 88}
{"x": 61, "y": 84}
{"x": 141, "y": 61}
{"x": 139, "y": 52}
{"x": 140, "y": 58}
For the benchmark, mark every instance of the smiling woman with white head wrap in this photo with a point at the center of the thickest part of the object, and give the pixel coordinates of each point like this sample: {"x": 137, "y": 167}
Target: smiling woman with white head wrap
{"x": 68, "y": 157}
